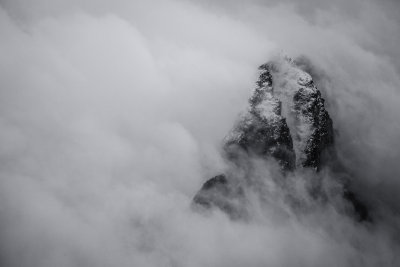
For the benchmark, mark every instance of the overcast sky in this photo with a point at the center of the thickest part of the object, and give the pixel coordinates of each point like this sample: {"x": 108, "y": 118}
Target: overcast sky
{"x": 112, "y": 115}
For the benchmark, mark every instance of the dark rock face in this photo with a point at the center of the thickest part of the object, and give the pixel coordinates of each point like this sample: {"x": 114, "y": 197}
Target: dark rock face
{"x": 358, "y": 209}
{"x": 310, "y": 110}
{"x": 223, "y": 193}
{"x": 286, "y": 121}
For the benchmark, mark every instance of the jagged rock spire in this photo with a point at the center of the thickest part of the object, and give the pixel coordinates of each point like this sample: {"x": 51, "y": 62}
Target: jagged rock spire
{"x": 286, "y": 121}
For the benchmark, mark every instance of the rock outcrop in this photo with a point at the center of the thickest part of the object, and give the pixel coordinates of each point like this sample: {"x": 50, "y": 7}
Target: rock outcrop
{"x": 224, "y": 194}
{"x": 286, "y": 122}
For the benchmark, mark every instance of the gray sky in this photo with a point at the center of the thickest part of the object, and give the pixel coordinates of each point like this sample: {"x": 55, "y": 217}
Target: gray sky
{"x": 112, "y": 114}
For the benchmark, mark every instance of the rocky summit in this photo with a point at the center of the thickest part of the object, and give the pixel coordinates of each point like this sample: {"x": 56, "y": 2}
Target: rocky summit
{"x": 285, "y": 124}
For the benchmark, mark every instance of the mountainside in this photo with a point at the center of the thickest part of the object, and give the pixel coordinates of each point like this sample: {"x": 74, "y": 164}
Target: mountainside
{"x": 286, "y": 123}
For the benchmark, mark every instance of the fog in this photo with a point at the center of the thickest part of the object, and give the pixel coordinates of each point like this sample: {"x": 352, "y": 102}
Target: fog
{"x": 112, "y": 115}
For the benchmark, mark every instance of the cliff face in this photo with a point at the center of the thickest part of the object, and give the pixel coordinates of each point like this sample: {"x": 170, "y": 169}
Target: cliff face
{"x": 286, "y": 122}
{"x": 263, "y": 131}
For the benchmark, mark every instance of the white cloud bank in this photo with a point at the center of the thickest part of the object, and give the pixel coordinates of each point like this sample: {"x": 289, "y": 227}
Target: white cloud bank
{"x": 112, "y": 112}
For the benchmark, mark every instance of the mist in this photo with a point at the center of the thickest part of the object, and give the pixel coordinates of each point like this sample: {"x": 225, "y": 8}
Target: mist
{"x": 112, "y": 115}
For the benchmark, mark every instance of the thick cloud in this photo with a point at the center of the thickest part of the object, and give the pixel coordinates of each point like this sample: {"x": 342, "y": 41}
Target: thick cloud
{"x": 112, "y": 113}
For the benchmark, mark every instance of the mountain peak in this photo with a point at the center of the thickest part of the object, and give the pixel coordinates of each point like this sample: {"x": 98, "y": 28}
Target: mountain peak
{"x": 286, "y": 122}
